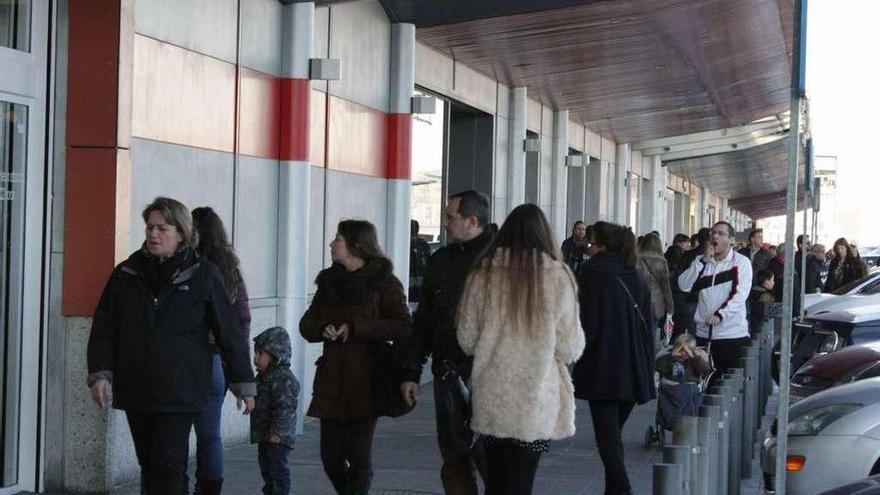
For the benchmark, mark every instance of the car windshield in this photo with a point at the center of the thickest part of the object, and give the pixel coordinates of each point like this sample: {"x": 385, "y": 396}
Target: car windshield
{"x": 846, "y": 288}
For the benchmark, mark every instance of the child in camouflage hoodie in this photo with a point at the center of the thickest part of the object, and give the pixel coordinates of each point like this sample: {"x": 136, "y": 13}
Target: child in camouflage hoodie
{"x": 273, "y": 420}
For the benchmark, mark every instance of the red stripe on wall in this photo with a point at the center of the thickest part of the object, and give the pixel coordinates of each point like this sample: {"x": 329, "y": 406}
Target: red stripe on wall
{"x": 294, "y": 124}
{"x": 399, "y": 146}
{"x": 357, "y": 138}
{"x": 89, "y": 227}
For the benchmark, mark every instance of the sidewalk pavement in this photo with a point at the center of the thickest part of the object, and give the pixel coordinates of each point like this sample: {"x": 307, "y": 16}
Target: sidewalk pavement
{"x": 406, "y": 459}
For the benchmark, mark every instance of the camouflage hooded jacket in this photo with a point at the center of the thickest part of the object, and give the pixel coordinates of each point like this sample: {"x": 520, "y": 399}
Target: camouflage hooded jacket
{"x": 277, "y": 391}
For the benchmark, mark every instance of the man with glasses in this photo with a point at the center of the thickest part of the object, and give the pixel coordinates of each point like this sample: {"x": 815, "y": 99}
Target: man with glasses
{"x": 721, "y": 278}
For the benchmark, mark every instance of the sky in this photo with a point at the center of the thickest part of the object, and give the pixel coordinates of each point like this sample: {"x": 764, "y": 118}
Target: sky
{"x": 843, "y": 78}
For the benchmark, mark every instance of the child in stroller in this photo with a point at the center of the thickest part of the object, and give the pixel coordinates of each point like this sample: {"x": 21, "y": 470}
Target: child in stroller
{"x": 684, "y": 373}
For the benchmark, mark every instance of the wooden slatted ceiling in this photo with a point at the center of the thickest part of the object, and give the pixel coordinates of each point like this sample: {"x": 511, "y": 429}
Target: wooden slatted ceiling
{"x": 637, "y": 69}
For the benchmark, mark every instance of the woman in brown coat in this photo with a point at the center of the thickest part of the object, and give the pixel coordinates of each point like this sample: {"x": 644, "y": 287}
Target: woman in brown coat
{"x": 653, "y": 267}
{"x": 359, "y": 305}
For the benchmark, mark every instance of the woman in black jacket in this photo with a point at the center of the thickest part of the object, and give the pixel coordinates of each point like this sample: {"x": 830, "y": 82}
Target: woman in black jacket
{"x": 213, "y": 245}
{"x": 617, "y": 370}
{"x": 845, "y": 267}
{"x": 150, "y": 339}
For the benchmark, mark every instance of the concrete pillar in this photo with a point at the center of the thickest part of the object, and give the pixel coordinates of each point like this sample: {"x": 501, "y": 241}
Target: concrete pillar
{"x": 298, "y": 24}
{"x": 723, "y": 212}
{"x": 654, "y": 207}
{"x": 516, "y": 155}
{"x": 703, "y": 214}
{"x": 621, "y": 191}
{"x": 559, "y": 185}
{"x": 403, "y": 46}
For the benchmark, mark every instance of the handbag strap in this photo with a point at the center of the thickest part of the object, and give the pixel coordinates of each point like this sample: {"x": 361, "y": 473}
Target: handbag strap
{"x": 635, "y": 305}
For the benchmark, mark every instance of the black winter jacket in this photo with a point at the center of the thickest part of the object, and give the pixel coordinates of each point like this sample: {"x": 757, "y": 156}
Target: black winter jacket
{"x": 434, "y": 320}
{"x": 150, "y": 335}
{"x": 619, "y": 360}
{"x": 277, "y": 391}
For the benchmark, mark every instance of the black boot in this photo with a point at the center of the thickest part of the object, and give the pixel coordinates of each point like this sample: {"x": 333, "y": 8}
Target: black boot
{"x": 359, "y": 482}
{"x": 208, "y": 486}
{"x": 339, "y": 482}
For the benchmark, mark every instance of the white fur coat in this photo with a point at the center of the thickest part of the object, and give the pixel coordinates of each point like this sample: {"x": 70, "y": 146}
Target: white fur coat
{"x": 520, "y": 386}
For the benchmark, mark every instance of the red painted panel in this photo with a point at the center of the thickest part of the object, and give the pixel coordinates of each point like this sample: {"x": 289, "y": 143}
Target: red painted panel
{"x": 261, "y": 111}
{"x": 294, "y": 123}
{"x": 399, "y": 146}
{"x": 318, "y": 128}
{"x": 93, "y": 72}
{"x": 356, "y": 140}
{"x": 89, "y": 227}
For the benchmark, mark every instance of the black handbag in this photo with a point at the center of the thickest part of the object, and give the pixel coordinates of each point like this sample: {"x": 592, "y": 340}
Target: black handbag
{"x": 385, "y": 381}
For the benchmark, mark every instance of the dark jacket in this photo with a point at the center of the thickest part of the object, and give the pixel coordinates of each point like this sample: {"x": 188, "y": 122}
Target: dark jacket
{"x": 777, "y": 266}
{"x": 573, "y": 255}
{"x": 760, "y": 261}
{"x": 371, "y": 301}
{"x": 813, "y": 282}
{"x": 277, "y": 391}
{"x": 619, "y": 361}
{"x": 434, "y": 319}
{"x": 761, "y": 306}
{"x": 673, "y": 255}
{"x": 853, "y": 269}
{"x": 150, "y": 334}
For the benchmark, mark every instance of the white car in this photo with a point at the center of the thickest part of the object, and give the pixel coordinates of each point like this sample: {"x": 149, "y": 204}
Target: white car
{"x": 833, "y": 439}
{"x": 860, "y": 292}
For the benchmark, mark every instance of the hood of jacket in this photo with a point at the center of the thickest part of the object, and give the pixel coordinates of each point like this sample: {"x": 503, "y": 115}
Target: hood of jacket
{"x": 276, "y": 342}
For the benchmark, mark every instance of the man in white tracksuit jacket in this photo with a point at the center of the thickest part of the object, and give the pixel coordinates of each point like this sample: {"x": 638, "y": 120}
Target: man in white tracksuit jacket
{"x": 721, "y": 279}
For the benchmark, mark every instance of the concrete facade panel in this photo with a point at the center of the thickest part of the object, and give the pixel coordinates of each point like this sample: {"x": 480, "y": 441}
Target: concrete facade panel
{"x": 533, "y": 115}
{"x": 360, "y": 36}
{"x": 594, "y": 143}
{"x": 318, "y": 128}
{"x": 321, "y": 37}
{"x": 608, "y": 150}
{"x": 502, "y": 105}
{"x": 193, "y": 176}
{"x": 256, "y": 224}
{"x": 434, "y": 70}
{"x": 356, "y": 141}
{"x": 356, "y": 197}
{"x": 545, "y": 173}
{"x": 204, "y": 26}
{"x": 182, "y": 97}
{"x": 499, "y": 181}
{"x": 259, "y": 114}
{"x": 318, "y": 249}
{"x": 576, "y": 136}
{"x": 474, "y": 88}
{"x": 261, "y": 25}
{"x": 546, "y": 121}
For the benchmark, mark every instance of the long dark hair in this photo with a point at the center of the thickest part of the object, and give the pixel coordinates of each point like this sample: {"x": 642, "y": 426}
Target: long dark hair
{"x": 361, "y": 239}
{"x": 214, "y": 246}
{"x": 525, "y": 236}
{"x": 617, "y": 240}
{"x": 849, "y": 250}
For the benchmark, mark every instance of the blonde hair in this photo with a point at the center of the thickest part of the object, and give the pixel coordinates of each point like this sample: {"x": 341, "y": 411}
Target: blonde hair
{"x": 684, "y": 340}
{"x": 175, "y": 214}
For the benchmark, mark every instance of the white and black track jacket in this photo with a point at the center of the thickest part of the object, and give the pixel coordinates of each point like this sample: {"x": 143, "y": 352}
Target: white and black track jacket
{"x": 722, "y": 288}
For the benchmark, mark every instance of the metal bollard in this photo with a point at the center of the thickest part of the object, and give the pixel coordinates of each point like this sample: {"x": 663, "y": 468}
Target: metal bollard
{"x": 667, "y": 479}
{"x": 704, "y": 459}
{"x": 711, "y": 415}
{"x": 685, "y": 433}
{"x": 750, "y": 412}
{"x": 720, "y": 397}
{"x": 734, "y": 381}
{"x": 681, "y": 455}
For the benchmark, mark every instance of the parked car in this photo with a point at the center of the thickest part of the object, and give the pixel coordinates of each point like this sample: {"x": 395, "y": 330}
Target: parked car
{"x": 867, "y": 486}
{"x": 863, "y": 291}
{"x": 833, "y": 439}
{"x": 828, "y": 332}
{"x": 850, "y": 364}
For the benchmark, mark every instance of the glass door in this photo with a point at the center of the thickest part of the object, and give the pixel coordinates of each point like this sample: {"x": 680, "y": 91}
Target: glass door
{"x": 24, "y": 63}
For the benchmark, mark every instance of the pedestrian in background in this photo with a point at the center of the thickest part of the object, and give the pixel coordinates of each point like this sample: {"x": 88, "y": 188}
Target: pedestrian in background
{"x": 617, "y": 370}
{"x": 358, "y": 306}
{"x": 519, "y": 320}
{"x": 213, "y": 245}
{"x": 815, "y": 262}
{"x": 758, "y": 256}
{"x": 845, "y": 267}
{"x": 575, "y": 248}
{"x": 652, "y": 265}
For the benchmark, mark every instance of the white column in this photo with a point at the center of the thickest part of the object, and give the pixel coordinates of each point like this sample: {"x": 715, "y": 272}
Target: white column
{"x": 293, "y": 195}
{"x": 403, "y": 43}
{"x": 621, "y": 192}
{"x": 703, "y": 214}
{"x": 655, "y": 210}
{"x": 559, "y": 187}
{"x": 724, "y": 214}
{"x": 516, "y": 155}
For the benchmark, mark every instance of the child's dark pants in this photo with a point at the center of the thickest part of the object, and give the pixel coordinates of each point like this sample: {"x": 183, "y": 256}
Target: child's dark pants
{"x": 274, "y": 459}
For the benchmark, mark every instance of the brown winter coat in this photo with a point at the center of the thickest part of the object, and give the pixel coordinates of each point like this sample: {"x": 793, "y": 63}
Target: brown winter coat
{"x": 655, "y": 270}
{"x": 372, "y": 302}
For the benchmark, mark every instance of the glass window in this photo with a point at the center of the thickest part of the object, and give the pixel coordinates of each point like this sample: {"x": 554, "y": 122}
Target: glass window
{"x": 15, "y": 24}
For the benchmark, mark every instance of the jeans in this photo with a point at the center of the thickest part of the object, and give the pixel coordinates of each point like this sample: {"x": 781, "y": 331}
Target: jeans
{"x": 512, "y": 469}
{"x": 462, "y": 456}
{"x": 609, "y": 416}
{"x": 209, "y": 443}
{"x": 347, "y": 448}
{"x": 161, "y": 442}
{"x": 274, "y": 459}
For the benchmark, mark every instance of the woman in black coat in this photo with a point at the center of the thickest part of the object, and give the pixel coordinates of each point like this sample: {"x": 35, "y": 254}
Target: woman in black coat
{"x": 150, "y": 340}
{"x": 845, "y": 267}
{"x": 617, "y": 370}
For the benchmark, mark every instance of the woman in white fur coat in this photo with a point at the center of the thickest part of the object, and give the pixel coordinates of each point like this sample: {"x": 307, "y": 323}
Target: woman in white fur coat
{"x": 519, "y": 318}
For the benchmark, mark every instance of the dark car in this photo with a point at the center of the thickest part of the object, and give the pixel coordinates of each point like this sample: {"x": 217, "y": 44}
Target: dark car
{"x": 847, "y": 365}
{"x": 828, "y": 332}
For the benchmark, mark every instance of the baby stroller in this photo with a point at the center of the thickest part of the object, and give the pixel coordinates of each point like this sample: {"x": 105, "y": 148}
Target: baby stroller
{"x": 676, "y": 399}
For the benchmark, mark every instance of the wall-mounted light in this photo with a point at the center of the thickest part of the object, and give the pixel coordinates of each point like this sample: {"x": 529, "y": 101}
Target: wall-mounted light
{"x": 423, "y": 104}
{"x": 324, "y": 69}
{"x": 532, "y": 145}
